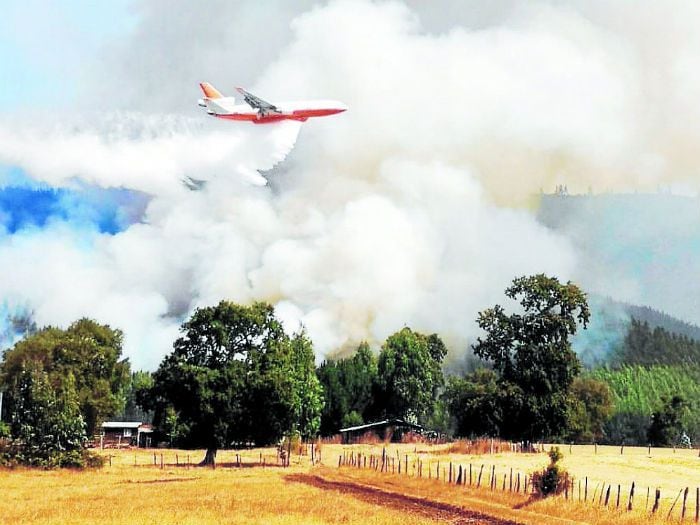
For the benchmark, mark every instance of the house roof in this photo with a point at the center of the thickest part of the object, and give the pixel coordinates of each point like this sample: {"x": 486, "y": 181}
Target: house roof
{"x": 381, "y": 424}
{"x": 122, "y": 424}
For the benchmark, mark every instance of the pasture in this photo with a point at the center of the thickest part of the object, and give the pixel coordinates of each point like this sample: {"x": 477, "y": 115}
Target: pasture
{"x": 136, "y": 488}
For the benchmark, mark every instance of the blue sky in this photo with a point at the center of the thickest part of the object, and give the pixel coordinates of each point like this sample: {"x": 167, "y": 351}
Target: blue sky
{"x": 45, "y": 47}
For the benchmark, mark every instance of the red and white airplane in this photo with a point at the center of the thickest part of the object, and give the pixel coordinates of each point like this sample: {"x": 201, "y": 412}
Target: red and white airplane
{"x": 258, "y": 111}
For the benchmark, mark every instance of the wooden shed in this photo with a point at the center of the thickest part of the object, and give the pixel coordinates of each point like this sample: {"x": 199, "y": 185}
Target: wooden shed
{"x": 125, "y": 434}
{"x": 386, "y": 430}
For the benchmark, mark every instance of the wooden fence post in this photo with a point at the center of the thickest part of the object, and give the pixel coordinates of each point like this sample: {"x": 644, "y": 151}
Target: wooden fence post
{"x": 450, "y": 478}
{"x": 585, "y": 491}
{"x": 161, "y": 461}
{"x": 631, "y": 498}
{"x": 656, "y": 501}
{"x": 617, "y": 505}
{"x": 685, "y": 499}
{"x": 607, "y": 496}
{"x": 674, "y": 504}
{"x": 478, "y": 483}
{"x": 459, "y": 476}
{"x": 470, "y": 474}
{"x": 510, "y": 482}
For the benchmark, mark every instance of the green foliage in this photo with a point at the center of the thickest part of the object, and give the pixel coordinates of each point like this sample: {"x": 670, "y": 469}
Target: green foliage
{"x": 348, "y": 386}
{"x": 409, "y": 375}
{"x": 532, "y": 354}
{"x": 307, "y": 392}
{"x": 4, "y": 430}
{"x": 352, "y": 419}
{"x": 135, "y": 393}
{"x": 473, "y": 403}
{"x": 647, "y": 347}
{"x": 639, "y": 391}
{"x": 666, "y": 424}
{"x": 590, "y": 408}
{"x": 87, "y": 353}
{"x": 47, "y": 428}
{"x": 235, "y": 376}
{"x": 552, "y": 480}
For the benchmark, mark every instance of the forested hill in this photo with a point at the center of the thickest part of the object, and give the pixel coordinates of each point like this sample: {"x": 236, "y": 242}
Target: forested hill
{"x": 622, "y": 333}
{"x": 644, "y": 345}
{"x": 669, "y": 323}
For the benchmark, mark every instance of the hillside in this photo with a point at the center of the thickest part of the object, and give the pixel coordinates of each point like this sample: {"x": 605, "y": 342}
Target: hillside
{"x": 622, "y": 333}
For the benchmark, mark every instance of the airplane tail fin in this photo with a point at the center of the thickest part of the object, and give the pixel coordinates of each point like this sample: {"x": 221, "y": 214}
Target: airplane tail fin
{"x": 210, "y": 91}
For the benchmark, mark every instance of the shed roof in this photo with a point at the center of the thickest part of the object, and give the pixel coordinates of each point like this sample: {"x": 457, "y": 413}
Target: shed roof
{"x": 382, "y": 423}
{"x": 122, "y": 424}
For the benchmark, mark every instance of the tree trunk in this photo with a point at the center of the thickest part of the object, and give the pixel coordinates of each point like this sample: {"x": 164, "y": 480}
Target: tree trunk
{"x": 209, "y": 457}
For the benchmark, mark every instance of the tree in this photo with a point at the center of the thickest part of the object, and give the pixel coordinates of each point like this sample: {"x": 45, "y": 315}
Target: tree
{"x": 666, "y": 426}
{"x": 532, "y": 354}
{"x": 86, "y": 353}
{"x": 46, "y": 426}
{"x": 410, "y": 375}
{"x": 307, "y": 389}
{"x": 348, "y": 388}
{"x": 590, "y": 409}
{"x": 473, "y": 403}
{"x": 236, "y": 376}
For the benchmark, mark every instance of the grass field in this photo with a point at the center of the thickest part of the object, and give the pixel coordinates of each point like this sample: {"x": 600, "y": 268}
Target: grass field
{"x": 135, "y": 490}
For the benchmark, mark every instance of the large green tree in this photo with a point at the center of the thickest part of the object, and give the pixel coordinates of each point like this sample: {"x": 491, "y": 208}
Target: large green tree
{"x": 236, "y": 376}
{"x": 46, "y": 425}
{"x": 348, "y": 390}
{"x": 409, "y": 373}
{"x": 473, "y": 403}
{"x": 666, "y": 423}
{"x": 530, "y": 350}
{"x": 86, "y": 353}
{"x": 591, "y": 406}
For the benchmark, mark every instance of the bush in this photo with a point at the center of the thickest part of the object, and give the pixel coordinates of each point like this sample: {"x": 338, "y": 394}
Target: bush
{"x": 553, "y": 480}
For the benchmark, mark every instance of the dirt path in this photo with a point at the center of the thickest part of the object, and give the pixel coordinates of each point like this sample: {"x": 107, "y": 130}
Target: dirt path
{"x": 409, "y": 504}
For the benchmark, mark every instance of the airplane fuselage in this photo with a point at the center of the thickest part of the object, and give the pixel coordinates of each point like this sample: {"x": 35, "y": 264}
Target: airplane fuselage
{"x": 297, "y": 110}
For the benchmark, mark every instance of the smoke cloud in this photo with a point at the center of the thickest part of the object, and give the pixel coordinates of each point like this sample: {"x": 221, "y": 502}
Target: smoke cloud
{"x": 413, "y": 208}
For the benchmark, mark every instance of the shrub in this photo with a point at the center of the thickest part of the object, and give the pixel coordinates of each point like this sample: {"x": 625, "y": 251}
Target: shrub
{"x": 552, "y": 480}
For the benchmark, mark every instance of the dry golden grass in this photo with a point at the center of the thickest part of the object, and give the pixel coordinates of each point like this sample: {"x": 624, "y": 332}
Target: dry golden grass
{"x": 670, "y": 471}
{"x": 134, "y": 490}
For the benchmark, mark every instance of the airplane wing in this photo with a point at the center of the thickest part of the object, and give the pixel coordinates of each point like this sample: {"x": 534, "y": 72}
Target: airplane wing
{"x": 257, "y": 103}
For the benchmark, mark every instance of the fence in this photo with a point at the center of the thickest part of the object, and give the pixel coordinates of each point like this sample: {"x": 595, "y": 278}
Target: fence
{"x": 283, "y": 458}
{"x": 606, "y": 495}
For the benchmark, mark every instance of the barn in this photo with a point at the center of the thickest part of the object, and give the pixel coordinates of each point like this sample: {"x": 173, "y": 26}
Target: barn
{"x": 386, "y": 430}
{"x": 125, "y": 434}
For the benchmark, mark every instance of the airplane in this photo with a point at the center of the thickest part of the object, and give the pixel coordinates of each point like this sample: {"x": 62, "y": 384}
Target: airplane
{"x": 258, "y": 111}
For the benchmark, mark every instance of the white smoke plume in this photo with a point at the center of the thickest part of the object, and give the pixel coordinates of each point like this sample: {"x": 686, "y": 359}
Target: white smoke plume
{"x": 406, "y": 210}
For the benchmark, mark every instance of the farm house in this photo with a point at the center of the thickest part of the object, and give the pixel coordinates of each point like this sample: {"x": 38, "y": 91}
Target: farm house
{"x": 125, "y": 434}
{"x": 386, "y": 430}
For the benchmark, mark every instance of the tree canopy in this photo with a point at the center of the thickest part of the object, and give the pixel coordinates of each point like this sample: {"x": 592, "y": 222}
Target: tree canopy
{"x": 409, "y": 373}
{"x": 86, "y": 353}
{"x": 235, "y": 376}
{"x": 531, "y": 352}
{"x": 46, "y": 427}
